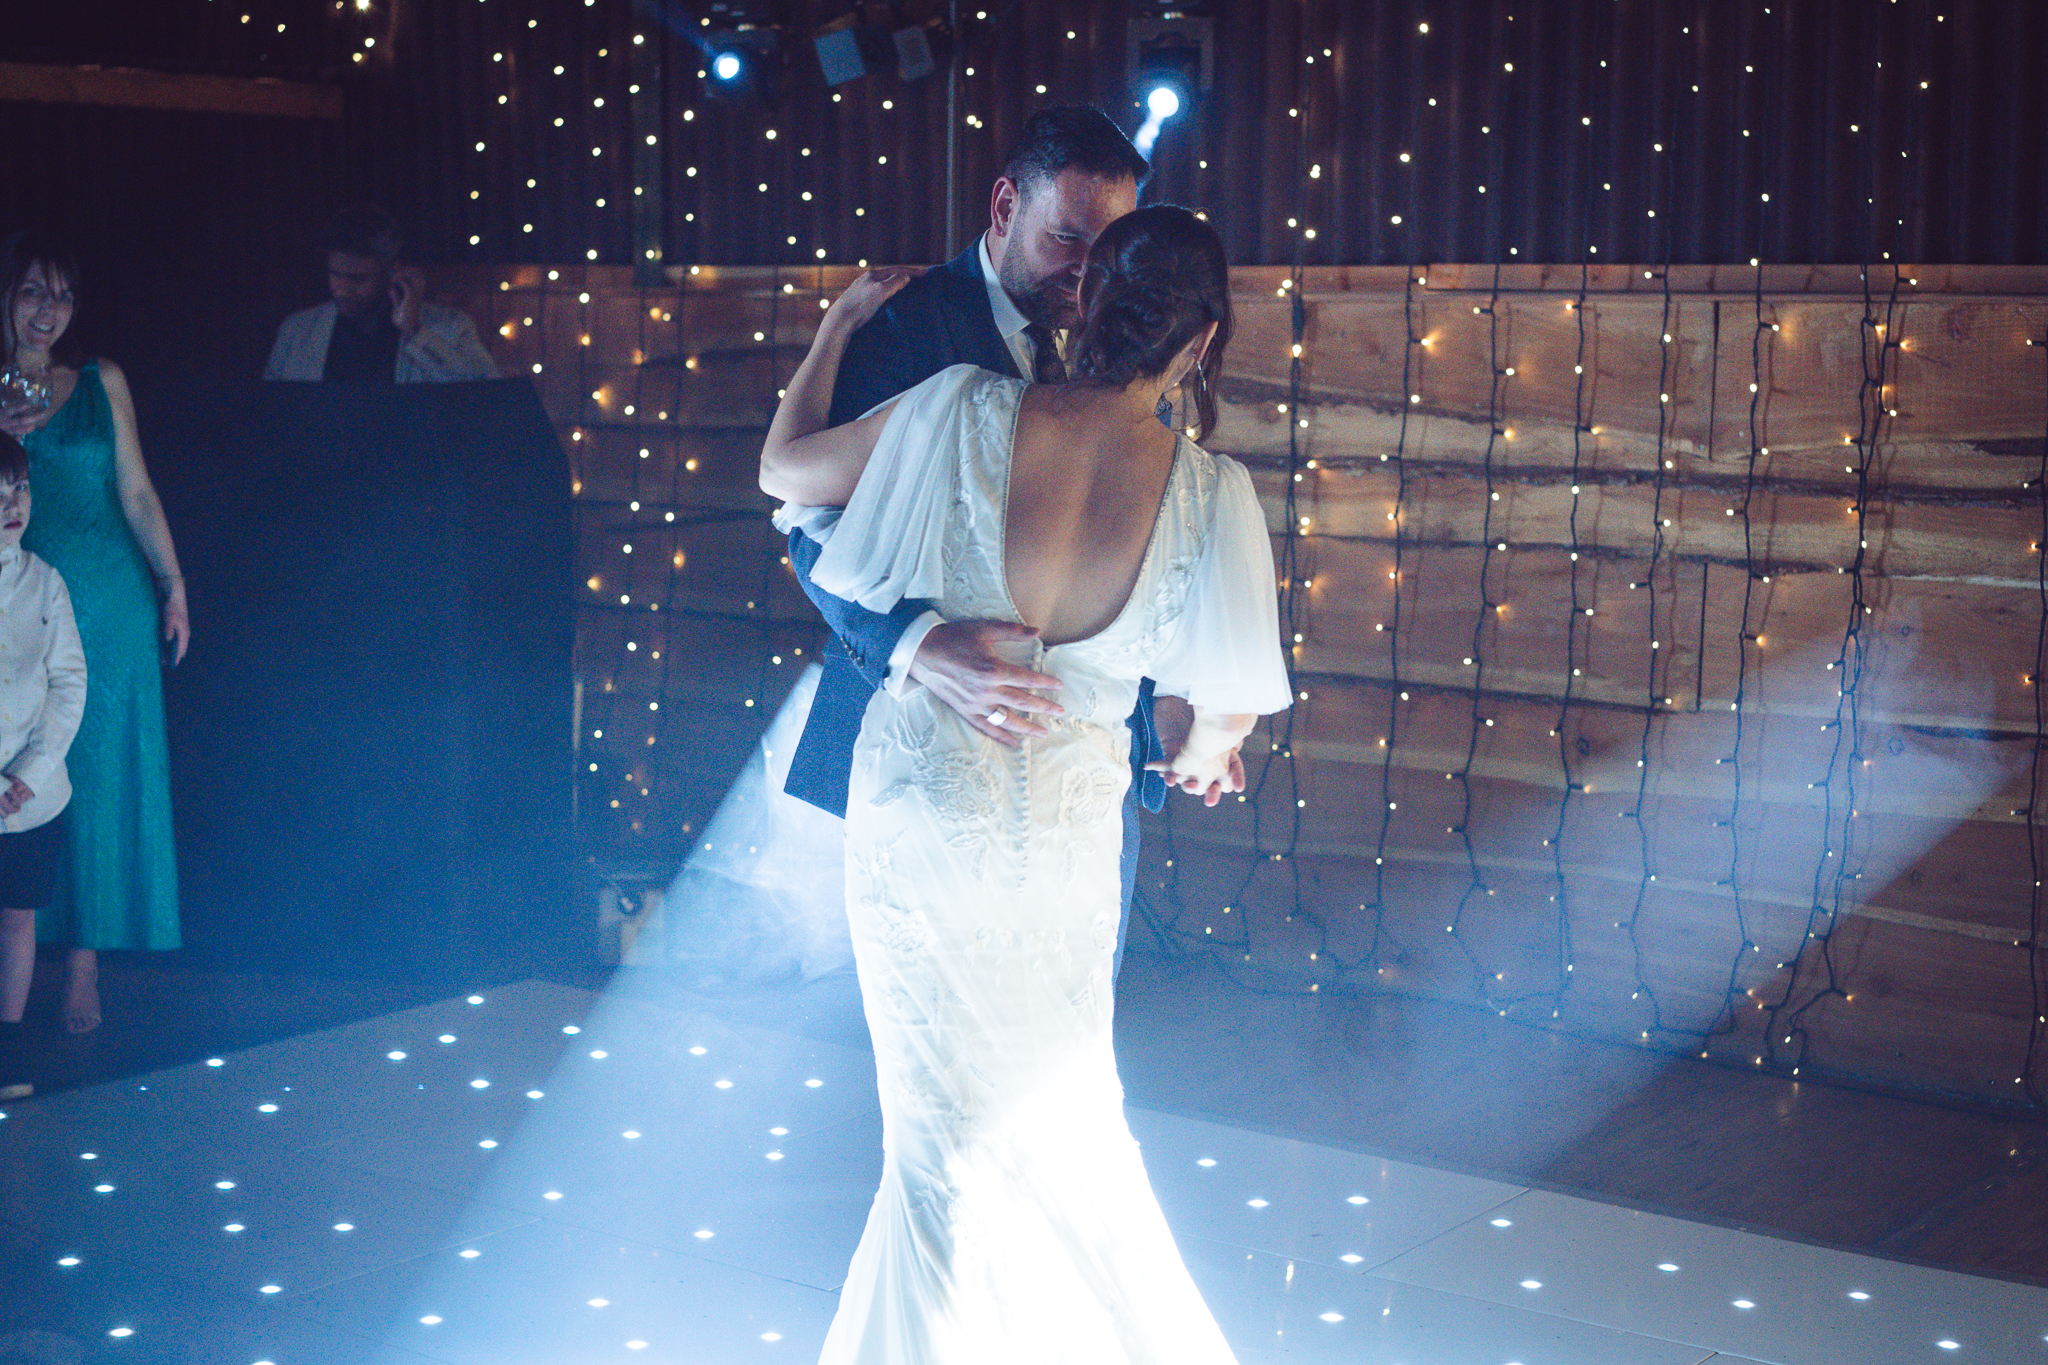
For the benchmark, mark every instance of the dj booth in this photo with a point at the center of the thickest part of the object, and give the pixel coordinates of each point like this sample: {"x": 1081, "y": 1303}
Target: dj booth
{"x": 370, "y": 738}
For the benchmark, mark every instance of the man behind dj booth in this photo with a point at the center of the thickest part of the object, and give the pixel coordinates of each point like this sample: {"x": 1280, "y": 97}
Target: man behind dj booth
{"x": 377, "y": 326}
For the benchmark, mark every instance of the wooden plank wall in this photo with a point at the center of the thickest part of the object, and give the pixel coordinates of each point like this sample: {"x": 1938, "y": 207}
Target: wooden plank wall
{"x": 1637, "y": 701}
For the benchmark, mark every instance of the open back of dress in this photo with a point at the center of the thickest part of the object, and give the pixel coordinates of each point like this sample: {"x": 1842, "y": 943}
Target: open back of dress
{"x": 1015, "y": 1222}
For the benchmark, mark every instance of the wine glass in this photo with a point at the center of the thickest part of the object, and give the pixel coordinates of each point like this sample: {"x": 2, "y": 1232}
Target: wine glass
{"x": 25, "y": 391}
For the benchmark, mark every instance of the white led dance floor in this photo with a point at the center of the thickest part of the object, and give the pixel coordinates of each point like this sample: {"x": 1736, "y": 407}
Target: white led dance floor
{"x": 544, "y": 1178}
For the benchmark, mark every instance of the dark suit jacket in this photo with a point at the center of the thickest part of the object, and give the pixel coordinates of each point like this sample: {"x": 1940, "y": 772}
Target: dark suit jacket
{"x": 941, "y": 318}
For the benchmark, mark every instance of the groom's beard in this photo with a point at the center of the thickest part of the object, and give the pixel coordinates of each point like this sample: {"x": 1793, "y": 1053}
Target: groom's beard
{"x": 1049, "y": 305}
{"x": 1046, "y": 302}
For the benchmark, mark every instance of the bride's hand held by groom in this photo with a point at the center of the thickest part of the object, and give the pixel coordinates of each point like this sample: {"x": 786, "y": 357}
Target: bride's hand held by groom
{"x": 1206, "y": 763}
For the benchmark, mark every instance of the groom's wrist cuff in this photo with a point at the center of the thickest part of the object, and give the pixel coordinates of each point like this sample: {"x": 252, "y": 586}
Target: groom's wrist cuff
{"x": 898, "y": 681}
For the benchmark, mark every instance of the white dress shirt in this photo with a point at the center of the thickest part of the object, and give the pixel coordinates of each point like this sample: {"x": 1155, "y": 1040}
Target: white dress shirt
{"x": 42, "y": 685}
{"x": 446, "y": 348}
{"x": 1010, "y": 323}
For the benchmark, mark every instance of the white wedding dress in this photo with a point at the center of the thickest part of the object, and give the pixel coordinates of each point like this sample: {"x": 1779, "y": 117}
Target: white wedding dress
{"x": 1015, "y": 1225}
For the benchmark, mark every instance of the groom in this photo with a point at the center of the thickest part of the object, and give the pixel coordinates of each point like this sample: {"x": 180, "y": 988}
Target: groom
{"x": 1005, "y": 304}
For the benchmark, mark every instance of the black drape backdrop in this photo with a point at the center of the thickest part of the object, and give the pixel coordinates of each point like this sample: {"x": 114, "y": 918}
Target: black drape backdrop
{"x": 370, "y": 738}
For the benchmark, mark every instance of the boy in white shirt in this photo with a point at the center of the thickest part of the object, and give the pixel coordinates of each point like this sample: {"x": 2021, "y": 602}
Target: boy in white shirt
{"x": 42, "y": 696}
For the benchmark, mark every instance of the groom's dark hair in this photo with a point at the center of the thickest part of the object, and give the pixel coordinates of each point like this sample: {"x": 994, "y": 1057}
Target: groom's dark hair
{"x": 1076, "y": 137}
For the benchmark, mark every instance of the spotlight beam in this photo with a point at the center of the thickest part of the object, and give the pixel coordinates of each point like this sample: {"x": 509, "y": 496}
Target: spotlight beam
{"x": 1163, "y": 102}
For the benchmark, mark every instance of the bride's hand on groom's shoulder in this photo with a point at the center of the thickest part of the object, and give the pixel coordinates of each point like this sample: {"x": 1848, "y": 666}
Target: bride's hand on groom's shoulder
{"x": 866, "y": 295}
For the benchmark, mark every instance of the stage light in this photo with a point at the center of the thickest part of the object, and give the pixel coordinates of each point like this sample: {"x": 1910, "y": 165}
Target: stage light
{"x": 1165, "y": 100}
{"x": 745, "y": 61}
{"x": 848, "y": 50}
{"x": 918, "y": 51}
{"x": 1171, "y": 63}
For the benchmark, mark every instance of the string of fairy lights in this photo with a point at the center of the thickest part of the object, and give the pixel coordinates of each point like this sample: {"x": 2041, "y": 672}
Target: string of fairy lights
{"x": 1390, "y": 743}
{"x": 1785, "y": 1025}
{"x": 1656, "y": 705}
{"x": 1746, "y": 642}
{"x": 637, "y": 666}
{"x": 1654, "y": 660}
{"x": 2037, "y": 955}
{"x": 1476, "y": 889}
{"x": 1575, "y": 605}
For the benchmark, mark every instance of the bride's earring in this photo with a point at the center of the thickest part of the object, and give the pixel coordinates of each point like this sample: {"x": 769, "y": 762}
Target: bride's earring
{"x": 1182, "y": 395}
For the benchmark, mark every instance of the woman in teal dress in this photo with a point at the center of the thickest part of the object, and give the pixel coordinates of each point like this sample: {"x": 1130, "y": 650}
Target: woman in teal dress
{"x": 99, "y": 523}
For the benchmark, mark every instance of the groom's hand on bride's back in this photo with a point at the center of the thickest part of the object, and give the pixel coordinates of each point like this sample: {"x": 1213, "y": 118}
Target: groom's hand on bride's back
{"x": 959, "y": 663}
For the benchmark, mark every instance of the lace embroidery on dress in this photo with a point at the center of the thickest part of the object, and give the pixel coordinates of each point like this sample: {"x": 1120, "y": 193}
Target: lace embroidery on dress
{"x": 1015, "y": 1224}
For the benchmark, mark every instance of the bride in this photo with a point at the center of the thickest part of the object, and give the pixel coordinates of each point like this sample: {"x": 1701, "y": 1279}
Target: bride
{"x": 1014, "y": 1222}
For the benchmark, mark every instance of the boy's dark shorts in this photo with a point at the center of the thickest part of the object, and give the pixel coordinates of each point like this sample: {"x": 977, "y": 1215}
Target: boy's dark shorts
{"x": 29, "y": 862}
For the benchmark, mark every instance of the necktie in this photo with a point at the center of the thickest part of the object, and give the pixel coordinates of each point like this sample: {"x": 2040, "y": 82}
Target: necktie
{"x": 1046, "y": 366}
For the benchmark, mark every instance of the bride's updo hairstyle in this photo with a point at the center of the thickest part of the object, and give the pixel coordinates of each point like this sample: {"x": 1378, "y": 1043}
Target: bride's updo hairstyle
{"x": 1154, "y": 278}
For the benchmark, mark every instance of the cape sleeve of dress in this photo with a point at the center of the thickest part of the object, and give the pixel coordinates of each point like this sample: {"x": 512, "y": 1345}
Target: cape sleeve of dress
{"x": 886, "y": 545}
{"x": 1224, "y": 653}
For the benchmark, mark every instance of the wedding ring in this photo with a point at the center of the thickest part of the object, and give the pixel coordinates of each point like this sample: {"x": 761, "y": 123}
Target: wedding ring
{"x": 999, "y": 717}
